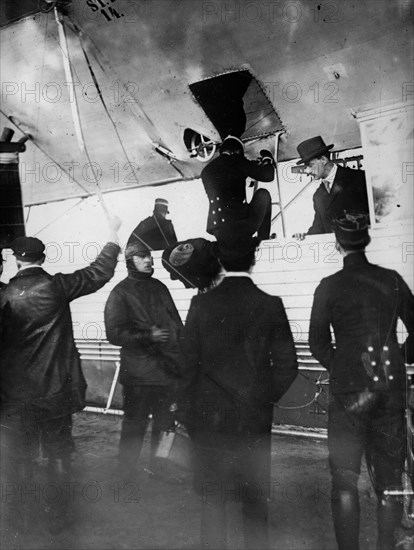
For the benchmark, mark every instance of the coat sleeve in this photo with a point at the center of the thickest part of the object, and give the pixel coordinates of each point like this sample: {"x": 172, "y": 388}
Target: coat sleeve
{"x": 120, "y": 329}
{"x": 261, "y": 172}
{"x": 320, "y": 338}
{"x": 92, "y": 278}
{"x": 283, "y": 353}
{"x": 191, "y": 347}
{"x": 406, "y": 314}
{"x": 317, "y": 226}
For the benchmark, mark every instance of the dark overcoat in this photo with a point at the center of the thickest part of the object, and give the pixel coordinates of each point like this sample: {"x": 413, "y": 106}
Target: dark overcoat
{"x": 362, "y": 303}
{"x": 40, "y": 366}
{"x": 154, "y": 231}
{"x": 224, "y": 180}
{"x": 134, "y": 306}
{"x": 348, "y": 192}
{"x": 240, "y": 360}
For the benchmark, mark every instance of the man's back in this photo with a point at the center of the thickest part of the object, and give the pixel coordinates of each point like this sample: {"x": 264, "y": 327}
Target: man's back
{"x": 227, "y": 175}
{"x": 241, "y": 340}
{"x": 363, "y": 303}
{"x": 155, "y": 232}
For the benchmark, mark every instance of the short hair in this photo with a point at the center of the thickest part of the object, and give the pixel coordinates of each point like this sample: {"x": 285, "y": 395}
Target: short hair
{"x": 359, "y": 247}
{"x": 242, "y": 263}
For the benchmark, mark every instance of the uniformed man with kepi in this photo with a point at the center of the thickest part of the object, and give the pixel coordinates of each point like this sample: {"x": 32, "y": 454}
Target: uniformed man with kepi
{"x": 155, "y": 232}
{"x": 363, "y": 302}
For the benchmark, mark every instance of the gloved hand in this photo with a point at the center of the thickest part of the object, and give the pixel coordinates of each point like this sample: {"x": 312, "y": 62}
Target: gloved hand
{"x": 266, "y": 157}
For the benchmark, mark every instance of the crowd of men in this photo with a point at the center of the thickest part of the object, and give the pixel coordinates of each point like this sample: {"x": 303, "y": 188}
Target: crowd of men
{"x": 231, "y": 362}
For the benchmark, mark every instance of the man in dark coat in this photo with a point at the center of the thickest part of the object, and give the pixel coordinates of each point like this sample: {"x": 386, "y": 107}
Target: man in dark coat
{"x": 155, "y": 232}
{"x": 224, "y": 180}
{"x": 42, "y": 383}
{"x": 363, "y": 303}
{"x": 240, "y": 359}
{"x": 340, "y": 189}
{"x": 141, "y": 317}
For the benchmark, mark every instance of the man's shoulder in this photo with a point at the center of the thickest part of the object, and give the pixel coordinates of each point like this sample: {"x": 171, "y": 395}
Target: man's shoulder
{"x": 349, "y": 174}
{"x": 122, "y": 285}
{"x": 246, "y": 289}
{"x": 146, "y": 221}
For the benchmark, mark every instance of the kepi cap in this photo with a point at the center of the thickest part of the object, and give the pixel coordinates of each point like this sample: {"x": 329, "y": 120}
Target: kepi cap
{"x": 351, "y": 230}
{"x": 163, "y": 203}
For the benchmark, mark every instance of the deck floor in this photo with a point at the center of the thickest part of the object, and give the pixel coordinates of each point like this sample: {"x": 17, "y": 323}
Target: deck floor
{"x": 164, "y": 513}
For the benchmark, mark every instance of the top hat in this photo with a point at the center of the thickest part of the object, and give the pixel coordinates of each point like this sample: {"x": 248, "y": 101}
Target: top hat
{"x": 28, "y": 249}
{"x": 351, "y": 230}
{"x": 312, "y": 148}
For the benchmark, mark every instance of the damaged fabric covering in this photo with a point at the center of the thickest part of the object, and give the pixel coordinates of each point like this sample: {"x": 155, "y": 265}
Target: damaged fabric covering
{"x": 132, "y": 67}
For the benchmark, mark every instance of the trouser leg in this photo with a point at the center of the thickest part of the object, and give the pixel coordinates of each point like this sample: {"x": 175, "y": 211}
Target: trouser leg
{"x": 389, "y": 514}
{"x": 255, "y": 524}
{"x": 261, "y": 213}
{"x": 213, "y": 525}
{"x": 346, "y": 439}
{"x": 386, "y": 453}
{"x": 19, "y": 434}
{"x": 134, "y": 425}
{"x": 346, "y": 513}
{"x": 57, "y": 443}
{"x": 59, "y": 476}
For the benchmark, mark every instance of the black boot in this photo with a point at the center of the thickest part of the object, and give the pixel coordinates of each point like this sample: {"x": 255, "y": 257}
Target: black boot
{"x": 59, "y": 476}
{"x": 389, "y": 514}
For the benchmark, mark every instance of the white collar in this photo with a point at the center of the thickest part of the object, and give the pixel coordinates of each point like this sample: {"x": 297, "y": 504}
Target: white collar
{"x": 29, "y": 267}
{"x": 331, "y": 176}
{"x": 237, "y": 274}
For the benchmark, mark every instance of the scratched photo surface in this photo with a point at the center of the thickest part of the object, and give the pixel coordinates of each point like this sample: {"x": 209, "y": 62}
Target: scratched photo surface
{"x": 195, "y": 350}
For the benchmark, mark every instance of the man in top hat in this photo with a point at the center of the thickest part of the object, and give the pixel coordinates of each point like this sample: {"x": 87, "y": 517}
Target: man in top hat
{"x": 141, "y": 317}
{"x": 362, "y": 303}
{"x": 340, "y": 188}
{"x": 155, "y": 232}
{"x": 42, "y": 383}
{"x": 240, "y": 359}
{"x": 224, "y": 180}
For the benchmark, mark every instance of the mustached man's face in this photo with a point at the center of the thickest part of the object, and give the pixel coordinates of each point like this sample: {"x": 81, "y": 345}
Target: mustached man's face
{"x": 318, "y": 168}
{"x": 143, "y": 262}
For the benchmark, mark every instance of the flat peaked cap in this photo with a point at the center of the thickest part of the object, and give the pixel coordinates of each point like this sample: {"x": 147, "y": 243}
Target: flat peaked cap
{"x": 351, "y": 229}
{"x": 136, "y": 248}
{"x": 312, "y": 148}
{"x": 28, "y": 249}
